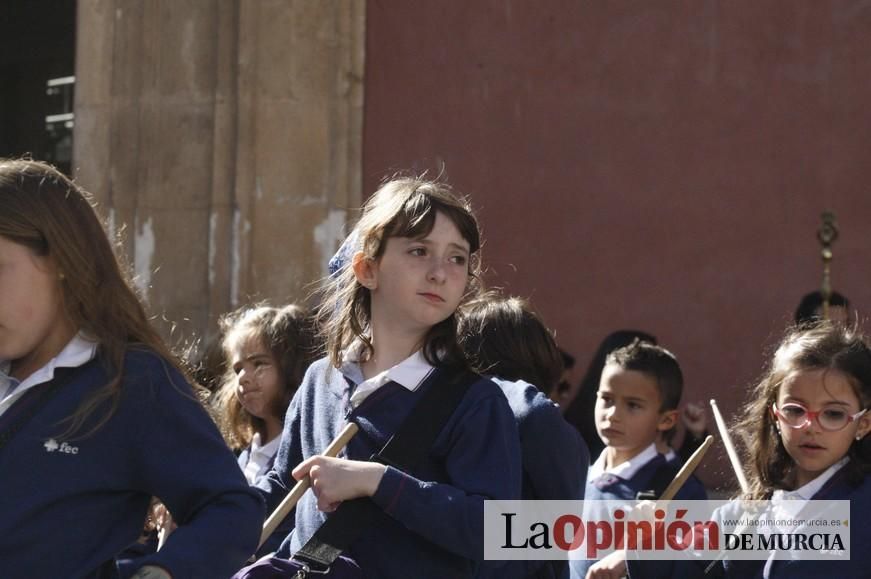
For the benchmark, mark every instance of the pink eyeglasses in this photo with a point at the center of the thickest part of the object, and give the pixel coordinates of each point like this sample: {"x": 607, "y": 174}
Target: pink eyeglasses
{"x": 831, "y": 419}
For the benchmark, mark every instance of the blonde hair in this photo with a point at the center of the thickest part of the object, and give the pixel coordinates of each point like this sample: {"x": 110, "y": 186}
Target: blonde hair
{"x": 402, "y": 207}
{"x": 41, "y": 209}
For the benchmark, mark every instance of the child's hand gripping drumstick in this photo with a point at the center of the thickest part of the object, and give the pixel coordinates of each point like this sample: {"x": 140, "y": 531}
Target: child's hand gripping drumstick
{"x": 614, "y": 565}
{"x": 300, "y": 487}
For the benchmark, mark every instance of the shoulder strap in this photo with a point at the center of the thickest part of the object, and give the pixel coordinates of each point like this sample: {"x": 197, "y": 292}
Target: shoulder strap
{"x": 405, "y": 450}
{"x": 418, "y": 432}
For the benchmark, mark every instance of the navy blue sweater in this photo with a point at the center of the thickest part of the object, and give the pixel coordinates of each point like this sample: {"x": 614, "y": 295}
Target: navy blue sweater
{"x": 432, "y": 523}
{"x": 68, "y": 507}
{"x": 618, "y": 488}
{"x": 555, "y": 462}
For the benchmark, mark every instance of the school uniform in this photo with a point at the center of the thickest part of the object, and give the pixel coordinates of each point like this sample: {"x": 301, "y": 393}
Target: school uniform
{"x": 624, "y": 482}
{"x": 833, "y": 484}
{"x": 554, "y": 459}
{"x": 69, "y": 506}
{"x": 257, "y": 459}
{"x": 431, "y": 521}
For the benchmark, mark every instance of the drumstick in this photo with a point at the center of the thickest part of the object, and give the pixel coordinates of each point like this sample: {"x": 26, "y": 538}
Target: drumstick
{"x": 686, "y": 470}
{"x": 730, "y": 448}
{"x": 684, "y": 473}
{"x": 301, "y": 486}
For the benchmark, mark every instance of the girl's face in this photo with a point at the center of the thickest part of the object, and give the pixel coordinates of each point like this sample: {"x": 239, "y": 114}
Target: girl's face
{"x": 258, "y": 384}
{"x": 33, "y": 325}
{"x": 417, "y": 282}
{"x": 811, "y": 447}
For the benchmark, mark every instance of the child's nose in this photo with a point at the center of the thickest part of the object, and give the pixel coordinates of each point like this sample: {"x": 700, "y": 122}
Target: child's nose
{"x": 437, "y": 272}
{"x": 813, "y": 424}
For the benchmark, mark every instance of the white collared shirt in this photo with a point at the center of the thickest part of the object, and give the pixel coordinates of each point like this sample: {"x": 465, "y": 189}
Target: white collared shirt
{"x": 410, "y": 373}
{"x": 79, "y": 351}
{"x": 806, "y": 492}
{"x": 787, "y": 506}
{"x": 259, "y": 458}
{"x": 626, "y": 469}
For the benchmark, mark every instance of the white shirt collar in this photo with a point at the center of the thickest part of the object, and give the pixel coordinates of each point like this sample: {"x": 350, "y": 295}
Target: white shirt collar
{"x": 807, "y": 491}
{"x": 626, "y": 469}
{"x": 268, "y": 449}
{"x": 258, "y": 459}
{"x": 409, "y": 373}
{"x": 78, "y": 351}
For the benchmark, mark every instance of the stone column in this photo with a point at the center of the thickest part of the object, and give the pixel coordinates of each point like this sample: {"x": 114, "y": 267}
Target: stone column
{"x": 224, "y": 137}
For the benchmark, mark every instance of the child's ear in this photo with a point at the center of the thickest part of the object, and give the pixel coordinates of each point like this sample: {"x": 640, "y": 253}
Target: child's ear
{"x": 667, "y": 420}
{"x": 864, "y": 426}
{"x": 365, "y": 270}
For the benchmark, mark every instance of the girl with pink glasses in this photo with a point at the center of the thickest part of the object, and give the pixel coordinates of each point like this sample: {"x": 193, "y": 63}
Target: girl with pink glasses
{"x": 805, "y": 431}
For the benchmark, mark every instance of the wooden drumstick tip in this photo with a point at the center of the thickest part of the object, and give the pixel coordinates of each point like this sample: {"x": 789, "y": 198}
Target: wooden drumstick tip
{"x": 730, "y": 448}
{"x": 687, "y": 470}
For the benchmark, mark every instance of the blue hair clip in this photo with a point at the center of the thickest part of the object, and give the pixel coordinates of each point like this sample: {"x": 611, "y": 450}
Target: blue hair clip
{"x": 343, "y": 256}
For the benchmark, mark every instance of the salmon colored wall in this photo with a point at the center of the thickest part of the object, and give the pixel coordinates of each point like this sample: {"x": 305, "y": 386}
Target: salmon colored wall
{"x": 660, "y": 166}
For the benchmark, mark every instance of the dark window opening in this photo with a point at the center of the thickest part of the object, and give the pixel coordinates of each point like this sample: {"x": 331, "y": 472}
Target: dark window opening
{"x": 37, "y": 79}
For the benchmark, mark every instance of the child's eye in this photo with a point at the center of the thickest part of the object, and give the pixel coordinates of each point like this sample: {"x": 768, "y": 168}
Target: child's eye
{"x": 417, "y": 251}
{"x": 834, "y": 414}
{"x": 634, "y": 406}
{"x": 237, "y": 368}
{"x": 792, "y": 411}
{"x": 459, "y": 259}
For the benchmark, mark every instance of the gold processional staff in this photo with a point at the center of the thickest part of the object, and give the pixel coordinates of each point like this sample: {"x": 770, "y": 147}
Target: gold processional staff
{"x": 827, "y": 234}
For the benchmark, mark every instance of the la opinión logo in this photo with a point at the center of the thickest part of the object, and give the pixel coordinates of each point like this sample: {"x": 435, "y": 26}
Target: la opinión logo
{"x": 569, "y": 532}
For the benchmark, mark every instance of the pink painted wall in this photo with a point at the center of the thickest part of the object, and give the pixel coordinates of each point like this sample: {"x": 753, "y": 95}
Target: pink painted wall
{"x": 660, "y": 166}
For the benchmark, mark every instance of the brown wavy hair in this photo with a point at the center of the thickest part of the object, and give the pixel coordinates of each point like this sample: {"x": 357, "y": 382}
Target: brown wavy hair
{"x": 402, "y": 207}
{"x": 288, "y": 334}
{"x": 825, "y": 346}
{"x": 41, "y": 209}
{"x": 503, "y": 337}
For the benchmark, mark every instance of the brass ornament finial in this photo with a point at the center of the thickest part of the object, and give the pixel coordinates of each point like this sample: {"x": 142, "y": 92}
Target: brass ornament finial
{"x": 827, "y": 234}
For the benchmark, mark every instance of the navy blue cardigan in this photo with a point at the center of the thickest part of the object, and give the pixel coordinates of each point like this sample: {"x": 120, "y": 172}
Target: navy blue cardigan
{"x": 627, "y": 489}
{"x": 432, "y": 521}
{"x": 555, "y": 462}
{"x": 68, "y": 507}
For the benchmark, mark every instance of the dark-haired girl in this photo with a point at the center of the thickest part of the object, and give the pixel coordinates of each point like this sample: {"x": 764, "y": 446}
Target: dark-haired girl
{"x": 390, "y": 331}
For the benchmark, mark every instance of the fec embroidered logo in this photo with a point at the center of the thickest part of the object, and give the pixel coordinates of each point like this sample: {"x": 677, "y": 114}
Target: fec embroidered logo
{"x": 51, "y": 445}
